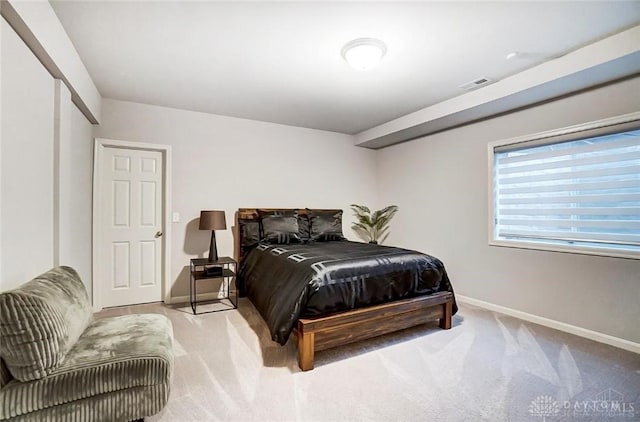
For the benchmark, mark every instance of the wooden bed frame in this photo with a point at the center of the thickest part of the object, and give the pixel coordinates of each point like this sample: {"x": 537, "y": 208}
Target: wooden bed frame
{"x": 320, "y": 333}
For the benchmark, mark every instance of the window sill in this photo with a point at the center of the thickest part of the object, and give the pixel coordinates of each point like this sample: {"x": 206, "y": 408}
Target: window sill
{"x": 582, "y": 250}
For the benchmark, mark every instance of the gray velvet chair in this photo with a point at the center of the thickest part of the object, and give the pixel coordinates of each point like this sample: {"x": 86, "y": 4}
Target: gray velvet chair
{"x": 58, "y": 363}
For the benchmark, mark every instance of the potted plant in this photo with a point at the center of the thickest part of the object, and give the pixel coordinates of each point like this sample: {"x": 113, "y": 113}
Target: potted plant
{"x": 373, "y": 227}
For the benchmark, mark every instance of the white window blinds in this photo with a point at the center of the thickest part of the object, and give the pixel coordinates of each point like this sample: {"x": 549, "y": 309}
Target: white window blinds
{"x": 582, "y": 192}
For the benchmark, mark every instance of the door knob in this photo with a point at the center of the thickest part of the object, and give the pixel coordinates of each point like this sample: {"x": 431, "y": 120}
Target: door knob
{"x": 158, "y": 233}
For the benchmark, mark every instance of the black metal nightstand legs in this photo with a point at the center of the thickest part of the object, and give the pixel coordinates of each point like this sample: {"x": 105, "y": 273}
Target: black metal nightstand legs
{"x": 222, "y": 270}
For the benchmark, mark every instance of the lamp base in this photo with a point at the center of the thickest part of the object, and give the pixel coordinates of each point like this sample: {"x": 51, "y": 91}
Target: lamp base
{"x": 213, "y": 251}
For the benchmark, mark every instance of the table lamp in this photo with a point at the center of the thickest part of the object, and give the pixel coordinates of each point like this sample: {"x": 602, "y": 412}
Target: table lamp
{"x": 213, "y": 220}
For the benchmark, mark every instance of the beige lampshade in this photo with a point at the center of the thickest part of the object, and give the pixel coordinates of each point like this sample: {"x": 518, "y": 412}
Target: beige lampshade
{"x": 212, "y": 220}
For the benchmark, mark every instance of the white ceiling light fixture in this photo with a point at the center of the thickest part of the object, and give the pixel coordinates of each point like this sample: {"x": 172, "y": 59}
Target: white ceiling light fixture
{"x": 364, "y": 53}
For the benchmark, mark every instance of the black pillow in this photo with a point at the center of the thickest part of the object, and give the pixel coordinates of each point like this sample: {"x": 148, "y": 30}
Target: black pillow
{"x": 250, "y": 232}
{"x": 279, "y": 226}
{"x": 325, "y": 225}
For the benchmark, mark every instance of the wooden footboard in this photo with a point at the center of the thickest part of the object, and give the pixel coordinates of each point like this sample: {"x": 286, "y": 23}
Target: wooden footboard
{"x": 347, "y": 327}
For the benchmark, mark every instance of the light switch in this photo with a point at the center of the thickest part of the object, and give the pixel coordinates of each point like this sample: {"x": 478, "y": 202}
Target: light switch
{"x": 175, "y": 217}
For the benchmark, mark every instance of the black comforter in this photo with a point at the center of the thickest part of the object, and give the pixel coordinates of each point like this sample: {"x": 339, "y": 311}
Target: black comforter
{"x": 286, "y": 282}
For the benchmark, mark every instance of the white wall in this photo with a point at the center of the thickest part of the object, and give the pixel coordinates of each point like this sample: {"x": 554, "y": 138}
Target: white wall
{"x": 76, "y": 170}
{"x": 440, "y": 185}
{"x": 27, "y": 163}
{"x": 37, "y": 23}
{"x": 45, "y": 171}
{"x": 228, "y": 163}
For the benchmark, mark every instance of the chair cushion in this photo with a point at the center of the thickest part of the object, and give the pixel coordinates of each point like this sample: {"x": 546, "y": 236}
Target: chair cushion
{"x": 5, "y": 375}
{"x": 113, "y": 354}
{"x": 41, "y": 320}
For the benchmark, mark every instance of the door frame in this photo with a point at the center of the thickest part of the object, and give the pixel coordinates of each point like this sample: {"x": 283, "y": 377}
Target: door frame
{"x": 99, "y": 146}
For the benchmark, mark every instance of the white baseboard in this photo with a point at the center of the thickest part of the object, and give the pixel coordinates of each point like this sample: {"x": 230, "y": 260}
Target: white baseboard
{"x": 180, "y": 299}
{"x": 567, "y": 328}
{"x": 201, "y": 296}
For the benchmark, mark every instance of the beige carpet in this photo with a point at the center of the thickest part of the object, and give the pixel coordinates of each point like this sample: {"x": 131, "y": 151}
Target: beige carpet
{"x": 487, "y": 367}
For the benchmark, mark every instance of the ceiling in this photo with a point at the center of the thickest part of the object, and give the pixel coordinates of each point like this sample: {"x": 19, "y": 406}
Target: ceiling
{"x": 280, "y": 61}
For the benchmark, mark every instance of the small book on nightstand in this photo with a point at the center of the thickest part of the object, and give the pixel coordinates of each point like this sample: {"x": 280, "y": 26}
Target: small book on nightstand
{"x": 213, "y": 271}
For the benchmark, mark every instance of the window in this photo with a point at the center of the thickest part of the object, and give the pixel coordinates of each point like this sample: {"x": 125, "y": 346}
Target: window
{"x": 576, "y": 189}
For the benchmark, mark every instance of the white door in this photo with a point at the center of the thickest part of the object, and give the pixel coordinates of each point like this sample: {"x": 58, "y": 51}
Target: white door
{"x": 131, "y": 225}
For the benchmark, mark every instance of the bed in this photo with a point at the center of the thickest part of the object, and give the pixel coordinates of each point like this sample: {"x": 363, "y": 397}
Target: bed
{"x": 330, "y": 291}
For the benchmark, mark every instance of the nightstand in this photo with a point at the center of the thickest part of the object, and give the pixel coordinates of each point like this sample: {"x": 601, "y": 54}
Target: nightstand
{"x": 222, "y": 273}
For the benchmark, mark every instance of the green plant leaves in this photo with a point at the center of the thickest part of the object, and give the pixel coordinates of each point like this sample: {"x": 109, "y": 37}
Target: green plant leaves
{"x": 373, "y": 226}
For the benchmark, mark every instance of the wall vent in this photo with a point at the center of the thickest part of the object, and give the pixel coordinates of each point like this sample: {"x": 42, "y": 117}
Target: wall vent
{"x": 476, "y": 83}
